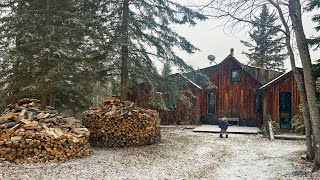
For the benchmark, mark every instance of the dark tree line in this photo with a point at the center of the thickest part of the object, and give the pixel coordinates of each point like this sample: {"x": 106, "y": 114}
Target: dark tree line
{"x": 59, "y": 50}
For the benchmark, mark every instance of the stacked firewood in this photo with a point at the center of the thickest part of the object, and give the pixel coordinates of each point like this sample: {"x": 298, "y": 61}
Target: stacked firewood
{"x": 118, "y": 123}
{"x": 28, "y": 134}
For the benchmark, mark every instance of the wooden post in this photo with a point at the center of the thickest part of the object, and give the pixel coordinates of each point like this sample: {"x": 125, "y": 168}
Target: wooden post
{"x": 270, "y": 129}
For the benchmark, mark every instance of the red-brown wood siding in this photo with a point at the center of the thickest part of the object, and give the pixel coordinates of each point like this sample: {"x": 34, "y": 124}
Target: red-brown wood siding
{"x": 181, "y": 115}
{"x": 234, "y": 99}
{"x": 271, "y": 97}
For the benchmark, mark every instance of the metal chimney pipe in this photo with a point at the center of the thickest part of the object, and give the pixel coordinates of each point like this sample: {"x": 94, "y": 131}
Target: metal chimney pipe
{"x": 232, "y": 52}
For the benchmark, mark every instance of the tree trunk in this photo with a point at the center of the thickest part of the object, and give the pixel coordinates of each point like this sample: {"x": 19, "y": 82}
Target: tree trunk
{"x": 298, "y": 79}
{"x": 125, "y": 51}
{"x": 305, "y": 108}
{"x": 44, "y": 98}
{"x": 52, "y": 102}
{"x": 303, "y": 100}
{"x": 45, "y": 62}
{"x": 309, "y": 81}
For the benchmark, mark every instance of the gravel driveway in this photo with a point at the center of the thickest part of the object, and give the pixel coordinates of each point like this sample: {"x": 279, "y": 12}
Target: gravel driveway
{"x": 182, "y": 154}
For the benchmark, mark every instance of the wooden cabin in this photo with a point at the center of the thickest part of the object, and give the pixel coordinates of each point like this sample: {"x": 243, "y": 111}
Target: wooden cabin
{"x": 177, "y": 112}
{"x": 249, "y": 95}
{"x": 281, "y": 100}
{"x": 237, "y": 96}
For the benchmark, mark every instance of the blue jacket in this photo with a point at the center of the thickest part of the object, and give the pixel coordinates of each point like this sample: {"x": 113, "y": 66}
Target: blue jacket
{"x": 224, "y": 125}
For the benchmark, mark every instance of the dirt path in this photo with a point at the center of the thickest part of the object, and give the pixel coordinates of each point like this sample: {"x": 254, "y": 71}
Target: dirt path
{"x": 182, "y": 154}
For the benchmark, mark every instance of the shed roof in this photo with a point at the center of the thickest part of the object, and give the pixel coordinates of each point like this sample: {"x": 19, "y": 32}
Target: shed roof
{"x": 279, "y": 78}
{"x": 274, "y": 80}
{"x": 189, "y": 80}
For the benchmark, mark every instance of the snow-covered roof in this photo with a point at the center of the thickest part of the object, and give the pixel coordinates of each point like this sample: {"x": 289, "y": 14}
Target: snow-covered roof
{"x": 193, "y": 83}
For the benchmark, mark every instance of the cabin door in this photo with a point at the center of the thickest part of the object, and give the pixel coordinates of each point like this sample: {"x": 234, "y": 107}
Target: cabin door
{"x": 285, "y": 110}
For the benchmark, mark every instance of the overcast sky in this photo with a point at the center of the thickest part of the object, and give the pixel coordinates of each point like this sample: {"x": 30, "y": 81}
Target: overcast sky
{"x": 211, "y": 39}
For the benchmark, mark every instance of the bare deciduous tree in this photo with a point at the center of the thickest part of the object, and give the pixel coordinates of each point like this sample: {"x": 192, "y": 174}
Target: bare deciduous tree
{"x": 309, "y": 81}
{"x": 238, "y": 14}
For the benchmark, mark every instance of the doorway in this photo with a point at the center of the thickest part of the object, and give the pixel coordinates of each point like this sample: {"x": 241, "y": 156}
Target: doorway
{"x": 285, "y": 113}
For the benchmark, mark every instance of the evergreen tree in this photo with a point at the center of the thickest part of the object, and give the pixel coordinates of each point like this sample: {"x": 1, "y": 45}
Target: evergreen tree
{"x": 267, "y": 49}
{"x": 45, "y": 41}
{"x": 166, "y": 70}
{"x": 141, "y": 33}
{"x": 58, "y": 49}
{"x": 315, "y": 4}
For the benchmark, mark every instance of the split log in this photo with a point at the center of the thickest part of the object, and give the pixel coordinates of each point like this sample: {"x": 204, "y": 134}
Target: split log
{"x": 119, "y": 123}
{"x": 28, "y": 134}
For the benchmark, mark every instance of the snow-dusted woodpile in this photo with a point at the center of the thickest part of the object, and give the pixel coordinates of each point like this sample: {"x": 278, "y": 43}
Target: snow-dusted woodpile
{"x": 119, "y": 123}
{"x": 30, "y": 134}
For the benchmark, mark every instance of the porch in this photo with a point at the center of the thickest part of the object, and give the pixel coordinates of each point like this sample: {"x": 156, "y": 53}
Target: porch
{"x": 231, "y": 129}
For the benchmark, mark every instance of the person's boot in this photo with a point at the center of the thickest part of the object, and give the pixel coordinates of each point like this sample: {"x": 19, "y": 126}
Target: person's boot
{"x": 227, "y": 136}
{"x": 220, "y": 135}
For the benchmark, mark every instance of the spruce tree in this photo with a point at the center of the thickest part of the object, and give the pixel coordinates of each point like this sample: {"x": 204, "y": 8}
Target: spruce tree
{"x": 46, "y": 44}
{"x": 57, "y": 50}
{"x": 266, "y": 51}
{"x": 141, "y": 34}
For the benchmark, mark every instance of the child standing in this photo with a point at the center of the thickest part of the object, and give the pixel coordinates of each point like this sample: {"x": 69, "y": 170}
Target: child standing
{"x": 223, "y": 125}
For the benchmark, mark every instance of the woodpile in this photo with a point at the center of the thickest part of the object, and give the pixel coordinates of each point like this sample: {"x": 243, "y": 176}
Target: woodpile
{"x": 119, "y": 123}
{"x": 28, "y": 134}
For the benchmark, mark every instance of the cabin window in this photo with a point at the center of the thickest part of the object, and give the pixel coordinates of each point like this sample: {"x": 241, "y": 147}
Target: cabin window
{"x": 235, "y": 75}
{"x": 258, "y": 103}
{"x": 173, "y": 100}
{"x": 211, "y": 103}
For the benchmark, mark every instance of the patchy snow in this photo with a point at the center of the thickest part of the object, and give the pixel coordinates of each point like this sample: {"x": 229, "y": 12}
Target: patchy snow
{"x": 252, "y": 157}
{"x": 182, "y": 154}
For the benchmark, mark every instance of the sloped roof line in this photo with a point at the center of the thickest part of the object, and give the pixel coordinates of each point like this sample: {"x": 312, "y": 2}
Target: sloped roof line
{"x": 189, "y": 80}
{"x": 243, "y": 67}
{"x": 209, "y": 67}
{"x": 251, "y": 65}
{"x": 239, "y": 63}
{"x": 193, "y": 83}
{"x": 274, "y": 80}
{"x": 261, "y": 68}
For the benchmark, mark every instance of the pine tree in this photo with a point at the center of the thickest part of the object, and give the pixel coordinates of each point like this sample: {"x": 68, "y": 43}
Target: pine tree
{"x": 58, "y": 50}
{"x": 313, "y": 5}
{"x": 267, "y": 49}
{"x": 45, "y": 41}
{"x": 141, "y": 33}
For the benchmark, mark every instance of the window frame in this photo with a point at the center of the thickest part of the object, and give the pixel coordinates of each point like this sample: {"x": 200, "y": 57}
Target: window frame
{"x": 238, "y": 78}
{"x": 214, "y": 103}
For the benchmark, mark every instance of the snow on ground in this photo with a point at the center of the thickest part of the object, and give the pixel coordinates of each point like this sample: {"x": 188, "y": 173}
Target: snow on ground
{"x": 253, "y": 157}
{"x": 182, "y": 154}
